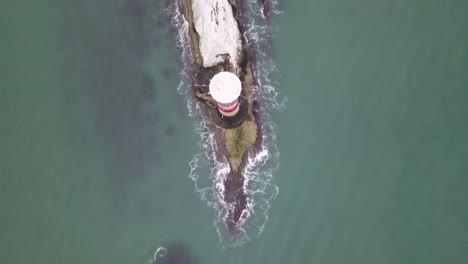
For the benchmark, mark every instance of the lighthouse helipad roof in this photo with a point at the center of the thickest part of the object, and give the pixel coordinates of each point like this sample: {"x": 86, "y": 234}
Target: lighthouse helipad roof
{"x": 225, "y": 87}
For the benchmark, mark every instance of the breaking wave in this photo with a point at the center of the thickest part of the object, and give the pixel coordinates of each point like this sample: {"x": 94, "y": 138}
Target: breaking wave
{"x": 208, "y": 171}
{"x": 159, "y": 254}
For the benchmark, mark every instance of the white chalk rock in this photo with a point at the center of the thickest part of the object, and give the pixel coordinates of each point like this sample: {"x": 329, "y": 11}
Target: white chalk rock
{"x": 218, "y": 30}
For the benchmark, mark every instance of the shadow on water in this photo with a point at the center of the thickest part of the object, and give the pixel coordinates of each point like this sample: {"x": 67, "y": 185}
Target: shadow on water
{"x": 110, "y": 95}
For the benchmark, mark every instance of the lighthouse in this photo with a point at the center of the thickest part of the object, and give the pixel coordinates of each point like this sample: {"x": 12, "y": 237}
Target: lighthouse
{"x": 225, "y": 89}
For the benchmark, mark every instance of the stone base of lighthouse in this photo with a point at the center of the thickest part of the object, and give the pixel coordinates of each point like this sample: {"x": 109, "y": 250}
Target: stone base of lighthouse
{"x": 230, "y": 121}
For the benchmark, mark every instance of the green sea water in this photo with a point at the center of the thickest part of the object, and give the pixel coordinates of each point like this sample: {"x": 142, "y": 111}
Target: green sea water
{"x": 95, "y": 140}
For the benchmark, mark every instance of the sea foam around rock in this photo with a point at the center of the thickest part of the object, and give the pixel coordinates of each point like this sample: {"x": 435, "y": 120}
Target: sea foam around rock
{"x": 209, "y": 172}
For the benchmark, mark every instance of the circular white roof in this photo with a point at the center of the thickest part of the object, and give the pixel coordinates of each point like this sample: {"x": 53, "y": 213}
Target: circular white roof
{"x": 225, "y": 87}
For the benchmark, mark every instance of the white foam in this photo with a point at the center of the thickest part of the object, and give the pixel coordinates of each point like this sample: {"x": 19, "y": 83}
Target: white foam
{"x": 206, "y": 170}
{"x": 158, "y": 255}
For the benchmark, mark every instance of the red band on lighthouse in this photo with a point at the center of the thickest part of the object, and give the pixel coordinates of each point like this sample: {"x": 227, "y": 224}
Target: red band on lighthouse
{"x": 228, "y": 108}
{"x": 225, "y": 88}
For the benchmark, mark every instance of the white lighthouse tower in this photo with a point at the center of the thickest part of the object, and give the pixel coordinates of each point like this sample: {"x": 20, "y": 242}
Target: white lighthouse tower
{"x": 225, "y": 88}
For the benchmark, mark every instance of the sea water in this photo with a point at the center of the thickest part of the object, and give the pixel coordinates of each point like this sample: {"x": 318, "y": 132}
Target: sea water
{"x": 95, "y": 141}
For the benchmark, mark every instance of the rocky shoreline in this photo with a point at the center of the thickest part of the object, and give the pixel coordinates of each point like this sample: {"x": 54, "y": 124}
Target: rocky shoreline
{"x": 234, "y": 143}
